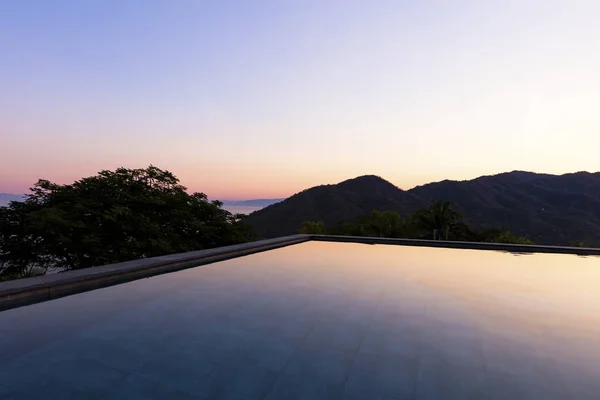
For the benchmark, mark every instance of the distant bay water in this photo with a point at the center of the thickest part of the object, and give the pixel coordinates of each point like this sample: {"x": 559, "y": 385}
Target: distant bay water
{"x": 241, "y": 209}
{"x": 248, "y": 206}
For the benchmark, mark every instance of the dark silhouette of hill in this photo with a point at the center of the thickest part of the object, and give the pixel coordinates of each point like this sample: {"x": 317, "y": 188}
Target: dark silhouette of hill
{"x": 548, "y": 209}
{"x": 331, "y": 204}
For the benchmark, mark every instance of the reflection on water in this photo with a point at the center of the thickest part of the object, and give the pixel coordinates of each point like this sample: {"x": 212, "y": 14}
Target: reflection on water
{"x": 531, "y": 323}
{"x": 520, "y": 253}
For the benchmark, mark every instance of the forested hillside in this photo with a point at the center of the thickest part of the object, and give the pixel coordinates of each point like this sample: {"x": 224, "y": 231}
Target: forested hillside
{"x": 548, "y": 209}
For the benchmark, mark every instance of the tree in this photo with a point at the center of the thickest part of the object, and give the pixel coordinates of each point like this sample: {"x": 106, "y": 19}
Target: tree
{"x": 483, "y": 234}
{"x": 439, "y": 220}
{"x": 387, "y": 224}
{"x": 384, "y": 223}
{"x": 312, "y": 228}
{"x": 508, "y": 237}
{"x": 112, "y": 217}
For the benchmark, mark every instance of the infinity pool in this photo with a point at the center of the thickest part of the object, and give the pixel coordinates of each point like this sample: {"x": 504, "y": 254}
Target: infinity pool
{"x": 320, "y": 320}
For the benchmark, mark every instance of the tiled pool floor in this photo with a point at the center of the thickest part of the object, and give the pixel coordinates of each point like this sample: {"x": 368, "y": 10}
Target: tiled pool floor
{"x": 320, "y": 321}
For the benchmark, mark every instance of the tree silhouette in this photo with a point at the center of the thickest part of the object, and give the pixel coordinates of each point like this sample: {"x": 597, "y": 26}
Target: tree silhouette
{"x": 111, "y": 217}
{"x": 312, "y": 228}
{"x": 439, "y": 219}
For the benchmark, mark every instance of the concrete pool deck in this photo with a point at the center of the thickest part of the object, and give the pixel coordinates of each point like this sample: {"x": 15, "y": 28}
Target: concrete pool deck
{"x": 41, "y": 288}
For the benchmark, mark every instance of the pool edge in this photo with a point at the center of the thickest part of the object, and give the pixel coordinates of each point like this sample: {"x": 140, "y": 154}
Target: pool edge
{"x": 449, "y": 244}
{"x": 28, "y": 291}
{"x": 22, "y": 292}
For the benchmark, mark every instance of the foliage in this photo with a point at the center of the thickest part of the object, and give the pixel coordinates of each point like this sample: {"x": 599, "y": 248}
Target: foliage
{"x": 20, "y": 249}
{"x": 378, "y": 224}
{"x": 9, "y": 276}
{"x": 550, "y": 209}
{"x": 312, "y": 227}
{"x": 438, "y": 217}
{"x": 508, "y": 237}
{"x": 332, "y": 205}
{"x": 439, "y": 220}
{"x": 385, "y": 223}
{"x": 112, "y": 217}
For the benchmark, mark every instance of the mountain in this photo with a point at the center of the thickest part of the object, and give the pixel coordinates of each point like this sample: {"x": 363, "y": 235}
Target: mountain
{"x": 549, "y": 209}
{"x": 251, "y": 203}
{"x": 6, "y": 198}
{"x": 331, "y": 204}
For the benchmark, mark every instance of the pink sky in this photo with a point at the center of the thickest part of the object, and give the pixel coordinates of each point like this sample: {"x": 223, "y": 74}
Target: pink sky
{"x": 221, "y": 183}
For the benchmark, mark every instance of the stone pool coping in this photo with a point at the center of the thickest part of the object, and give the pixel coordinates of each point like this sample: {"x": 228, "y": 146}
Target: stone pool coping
{"x": 513, "y": 248}
{"x": 20, "y": 292}
{"x": 27, "y": 291}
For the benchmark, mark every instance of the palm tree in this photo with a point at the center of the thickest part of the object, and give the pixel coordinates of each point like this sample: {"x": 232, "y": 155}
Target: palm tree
{"x": 439, "y": 218}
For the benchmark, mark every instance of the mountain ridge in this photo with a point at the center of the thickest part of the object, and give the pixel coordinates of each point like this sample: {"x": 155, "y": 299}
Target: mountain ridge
{"x": 549, "y": 209}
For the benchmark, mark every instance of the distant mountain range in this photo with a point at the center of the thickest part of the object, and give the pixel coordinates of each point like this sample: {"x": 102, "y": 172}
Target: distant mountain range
{"x": 6, "y": 198}
{"x": 251, "y": 203}
{"x": 247, "y": 206}
{"x": 548, "y": 209}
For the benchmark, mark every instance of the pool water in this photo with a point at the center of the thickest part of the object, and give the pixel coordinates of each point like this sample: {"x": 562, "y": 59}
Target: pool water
{"x": 320, "y": 320}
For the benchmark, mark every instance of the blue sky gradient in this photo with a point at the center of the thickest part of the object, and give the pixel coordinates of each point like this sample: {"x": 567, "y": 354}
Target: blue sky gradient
{"x": 262, "y": 99}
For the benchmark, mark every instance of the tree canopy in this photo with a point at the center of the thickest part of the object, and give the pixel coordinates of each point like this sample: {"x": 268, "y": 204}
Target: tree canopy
{"x": 311, "y": 227}
{"x": 439, "y": 221}
{"x": 111, "y": 217}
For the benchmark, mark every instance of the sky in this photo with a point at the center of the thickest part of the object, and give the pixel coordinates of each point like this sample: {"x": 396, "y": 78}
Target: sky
{"x": 260, "y": 99}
